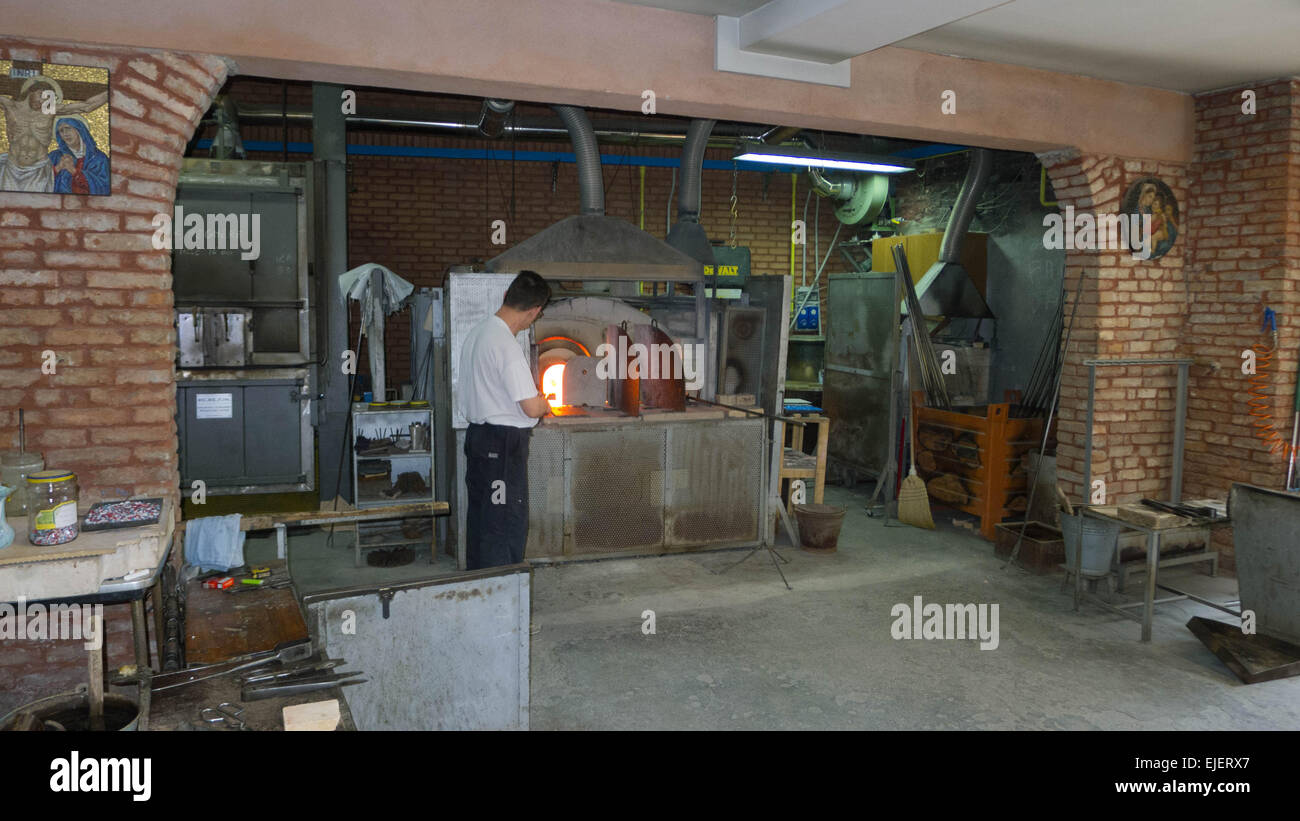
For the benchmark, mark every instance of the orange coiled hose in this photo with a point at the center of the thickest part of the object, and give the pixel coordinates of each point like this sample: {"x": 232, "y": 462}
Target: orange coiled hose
{"x": 1261, "y": 405}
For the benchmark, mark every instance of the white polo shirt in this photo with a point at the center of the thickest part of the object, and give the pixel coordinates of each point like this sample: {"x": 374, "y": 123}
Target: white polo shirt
{"x": 494, "y": 376}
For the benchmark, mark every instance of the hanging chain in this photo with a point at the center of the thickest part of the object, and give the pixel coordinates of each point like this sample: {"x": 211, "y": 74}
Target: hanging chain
{"x": 735, "y": 212}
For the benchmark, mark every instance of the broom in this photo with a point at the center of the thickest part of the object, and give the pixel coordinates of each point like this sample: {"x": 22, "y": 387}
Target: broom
{"x": 913, "y": 501}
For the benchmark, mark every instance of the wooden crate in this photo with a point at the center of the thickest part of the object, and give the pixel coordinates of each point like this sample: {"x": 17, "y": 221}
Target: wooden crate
{"x": 981, "y": 455}
{"x": 1042, "y": 550}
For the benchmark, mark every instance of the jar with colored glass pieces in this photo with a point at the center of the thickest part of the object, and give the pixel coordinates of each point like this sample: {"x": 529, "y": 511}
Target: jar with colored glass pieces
{"x": 52, "y": 507}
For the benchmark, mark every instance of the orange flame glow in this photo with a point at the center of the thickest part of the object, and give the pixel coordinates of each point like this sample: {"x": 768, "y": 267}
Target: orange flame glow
{"x": 553, "y": 383}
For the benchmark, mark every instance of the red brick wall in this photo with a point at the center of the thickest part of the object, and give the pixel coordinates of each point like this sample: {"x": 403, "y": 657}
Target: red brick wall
{"x": 79, "y": 276}
{"x": 1238, "y": 250}
{"x": 1244, "y": 215}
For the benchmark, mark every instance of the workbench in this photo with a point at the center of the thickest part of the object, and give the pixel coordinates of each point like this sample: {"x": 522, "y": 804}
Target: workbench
{"x": 101, "y": 567}
{"x": 179, "y": 708}
{"x": 1154, "y": 534}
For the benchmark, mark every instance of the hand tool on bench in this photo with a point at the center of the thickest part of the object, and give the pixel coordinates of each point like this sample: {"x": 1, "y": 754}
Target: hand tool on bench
{"x": 297, "y": 687}
{"x": 286, "y": 653}
{"x": 294, "y": 672}
{"x": 1189, "y": 511}
{"x": 225, "y": 713}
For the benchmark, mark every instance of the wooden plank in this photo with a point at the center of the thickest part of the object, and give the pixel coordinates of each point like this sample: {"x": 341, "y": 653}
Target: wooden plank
{"x": 1140, "y": 514}
{"x": 317, "y": 715}
{"x": 1254, "y": 658}
{"x": 317, "y": 517}
{"x": 740, "y": 400}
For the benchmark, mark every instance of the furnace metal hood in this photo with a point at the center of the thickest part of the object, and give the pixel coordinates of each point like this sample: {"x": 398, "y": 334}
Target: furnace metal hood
{"x": 947, "y": 289}
{"x": 592, "y": 245}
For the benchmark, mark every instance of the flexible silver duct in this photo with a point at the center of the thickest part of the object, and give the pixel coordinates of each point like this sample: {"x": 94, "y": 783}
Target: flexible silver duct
{"x": 963, "y": 211}
{"x": 697, "y": 139}
{"x": 586, "y": 152}
{"x": 687, "y": 235}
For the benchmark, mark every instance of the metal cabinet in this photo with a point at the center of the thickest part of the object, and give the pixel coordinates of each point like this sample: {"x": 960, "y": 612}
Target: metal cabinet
{"x": 243, "y": 435}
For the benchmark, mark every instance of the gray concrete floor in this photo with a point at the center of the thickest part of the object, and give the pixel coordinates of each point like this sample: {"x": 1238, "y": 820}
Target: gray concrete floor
{"x": 736, "y": 650}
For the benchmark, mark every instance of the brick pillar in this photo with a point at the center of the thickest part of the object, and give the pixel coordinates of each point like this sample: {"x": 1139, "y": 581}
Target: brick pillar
{"x": 79, "y": 276}
{"x": 1129, "y": 308}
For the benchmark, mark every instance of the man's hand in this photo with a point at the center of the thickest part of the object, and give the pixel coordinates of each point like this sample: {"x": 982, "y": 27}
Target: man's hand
{"x": 535, "y": 407}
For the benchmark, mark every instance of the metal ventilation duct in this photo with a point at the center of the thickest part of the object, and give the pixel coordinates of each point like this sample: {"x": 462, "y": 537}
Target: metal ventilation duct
{"x": 947, "y": 289}
{"x": 591, "y": 244}
{"x": 687, "y": 235}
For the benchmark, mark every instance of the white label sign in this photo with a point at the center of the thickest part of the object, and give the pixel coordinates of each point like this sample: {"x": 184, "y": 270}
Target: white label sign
{"x": 213, "y": 406}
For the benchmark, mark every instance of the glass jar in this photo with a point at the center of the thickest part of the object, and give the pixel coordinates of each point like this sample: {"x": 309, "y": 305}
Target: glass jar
{"x": 14, "y": 469}
{"x": 52, "y": 507}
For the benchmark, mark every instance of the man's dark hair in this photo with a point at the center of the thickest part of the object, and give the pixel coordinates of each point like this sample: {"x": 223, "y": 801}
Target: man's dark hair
{"x": 528, "y": 291}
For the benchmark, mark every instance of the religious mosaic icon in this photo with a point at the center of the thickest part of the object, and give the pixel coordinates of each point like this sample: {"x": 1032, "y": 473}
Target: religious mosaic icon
{"x": 1151, "y": 198}
{"x": 55, "y": 138}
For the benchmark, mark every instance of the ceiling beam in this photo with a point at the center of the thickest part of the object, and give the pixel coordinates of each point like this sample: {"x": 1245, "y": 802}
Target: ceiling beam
{"x": 606, "y": 55}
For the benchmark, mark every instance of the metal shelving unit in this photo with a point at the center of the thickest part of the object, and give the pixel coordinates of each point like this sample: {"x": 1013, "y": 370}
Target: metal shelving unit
{"x": 377, "y": 423}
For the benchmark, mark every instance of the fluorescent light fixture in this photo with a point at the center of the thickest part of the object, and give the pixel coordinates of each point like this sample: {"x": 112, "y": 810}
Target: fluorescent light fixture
{"x": 811, "y": 158}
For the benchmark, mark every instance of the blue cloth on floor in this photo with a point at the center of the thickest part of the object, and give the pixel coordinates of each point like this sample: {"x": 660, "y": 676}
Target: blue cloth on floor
{"x": 214, "y": 542}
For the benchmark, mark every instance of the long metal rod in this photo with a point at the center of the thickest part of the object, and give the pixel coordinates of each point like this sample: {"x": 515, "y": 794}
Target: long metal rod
{"x": 1087, "y": 432}
{"x": 1180, "y": 430}
{"x": 1205, "y": 602}
{"x": 1047, "y": 426}
{"x": 787, "y": 419}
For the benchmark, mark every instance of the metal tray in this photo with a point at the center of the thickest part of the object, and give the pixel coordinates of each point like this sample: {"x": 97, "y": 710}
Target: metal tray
{"x": 120, "y": 525}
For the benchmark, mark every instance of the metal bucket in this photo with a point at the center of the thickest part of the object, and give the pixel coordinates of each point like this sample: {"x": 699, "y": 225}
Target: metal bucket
{"x": 71, "y": 712}
{"x": 1100, "y": 539}
{"x": 819, "y": 527}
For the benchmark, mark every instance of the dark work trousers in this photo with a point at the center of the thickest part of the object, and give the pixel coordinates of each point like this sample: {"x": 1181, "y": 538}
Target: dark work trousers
{"x": 496, "y": 483}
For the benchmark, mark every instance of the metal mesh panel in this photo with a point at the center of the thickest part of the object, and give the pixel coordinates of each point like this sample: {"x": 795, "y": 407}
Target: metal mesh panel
{"x": 716, "y": 472}
{"x": 617, "y": 490}
{"x": 546, "y": 502}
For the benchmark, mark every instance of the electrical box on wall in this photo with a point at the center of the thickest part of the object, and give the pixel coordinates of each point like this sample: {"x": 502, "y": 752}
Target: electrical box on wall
{"x": 731, "y": 270}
